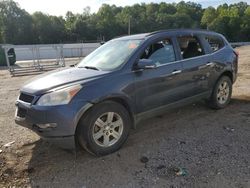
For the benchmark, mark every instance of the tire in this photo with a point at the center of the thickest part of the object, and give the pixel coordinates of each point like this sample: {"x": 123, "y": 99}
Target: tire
{"x": 104, "y": 129}
{"x": 222, "y": 92}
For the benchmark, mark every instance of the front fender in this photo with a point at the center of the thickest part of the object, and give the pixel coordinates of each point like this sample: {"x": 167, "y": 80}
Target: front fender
{"x": 123, "y": 100}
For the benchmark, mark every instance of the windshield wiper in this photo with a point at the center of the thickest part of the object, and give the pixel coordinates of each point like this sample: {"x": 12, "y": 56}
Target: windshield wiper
{"x": 89, "y": 67}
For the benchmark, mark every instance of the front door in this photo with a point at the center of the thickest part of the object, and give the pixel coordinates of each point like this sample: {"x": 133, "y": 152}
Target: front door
{"x": 162, "y": 85}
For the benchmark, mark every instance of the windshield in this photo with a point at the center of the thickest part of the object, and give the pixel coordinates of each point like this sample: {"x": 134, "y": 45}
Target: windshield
{"x": 111, "y": 55}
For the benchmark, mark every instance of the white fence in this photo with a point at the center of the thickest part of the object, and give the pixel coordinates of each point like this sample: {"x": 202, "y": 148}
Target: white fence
{"x": 237, "y": 44}
{"x": 50, "y": 51}
{"x": 39, "y": 58}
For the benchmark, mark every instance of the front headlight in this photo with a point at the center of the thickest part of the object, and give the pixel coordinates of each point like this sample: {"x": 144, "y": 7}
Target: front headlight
{"x": 59, "y": 97}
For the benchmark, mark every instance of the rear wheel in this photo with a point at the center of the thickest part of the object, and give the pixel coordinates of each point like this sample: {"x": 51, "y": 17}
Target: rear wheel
{"x": 104, "y": 129}
{"x": 222, "y": 92}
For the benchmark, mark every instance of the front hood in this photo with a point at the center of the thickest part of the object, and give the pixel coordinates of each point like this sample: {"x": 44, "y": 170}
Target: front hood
{"x": 59, "y": 78}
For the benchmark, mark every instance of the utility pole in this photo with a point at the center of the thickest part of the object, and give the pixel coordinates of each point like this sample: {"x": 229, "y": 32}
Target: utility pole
{"x": 129, "y": 25}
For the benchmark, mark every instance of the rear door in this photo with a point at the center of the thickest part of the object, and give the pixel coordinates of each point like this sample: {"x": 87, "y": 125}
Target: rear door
{"x": 196, "y": 65}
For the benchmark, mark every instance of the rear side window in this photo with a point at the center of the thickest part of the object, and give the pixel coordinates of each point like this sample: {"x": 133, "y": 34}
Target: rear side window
{"x": 160, "y": 52}
{"x": 190, "y": 47}
{"x": 215, "y": 43}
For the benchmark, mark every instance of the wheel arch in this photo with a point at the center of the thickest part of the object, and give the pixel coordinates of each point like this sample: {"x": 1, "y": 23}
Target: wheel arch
{"x": 118, "y": 99}
{"x": 228, "y": 74}
{"x": 125, "y": 103}
{"x": 212, "y": 101}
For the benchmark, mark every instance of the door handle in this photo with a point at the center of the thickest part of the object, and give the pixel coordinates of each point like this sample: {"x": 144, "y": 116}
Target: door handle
{"x": 206, "y": 65}
{"x": 209, "y": 64}
{"x": 176, "y": 72}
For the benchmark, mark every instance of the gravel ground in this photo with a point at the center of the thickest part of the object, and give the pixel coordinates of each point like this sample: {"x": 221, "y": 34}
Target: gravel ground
{"x": 193, "y": 146}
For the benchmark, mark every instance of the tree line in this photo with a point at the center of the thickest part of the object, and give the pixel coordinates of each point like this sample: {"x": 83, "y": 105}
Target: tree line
{"x": 19, "y": 27}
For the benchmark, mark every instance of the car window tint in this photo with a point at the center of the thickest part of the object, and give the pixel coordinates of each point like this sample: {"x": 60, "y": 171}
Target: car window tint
{"x": 190, "y": 47}
{"x": 161, "y": 52}
{"x": 215, "y": 43}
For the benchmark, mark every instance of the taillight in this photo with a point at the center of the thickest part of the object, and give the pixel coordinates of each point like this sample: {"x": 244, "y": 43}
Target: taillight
{"x": 235, "y": 63}
{"x": 236, "y": 53}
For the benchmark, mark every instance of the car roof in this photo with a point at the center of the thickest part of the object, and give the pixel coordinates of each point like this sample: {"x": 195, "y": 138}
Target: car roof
{"x": 176, "y": 31}
{"x": 132, "y": 37}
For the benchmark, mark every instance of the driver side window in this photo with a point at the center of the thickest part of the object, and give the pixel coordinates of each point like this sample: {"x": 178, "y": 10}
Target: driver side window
{"x": 161, "y": 52}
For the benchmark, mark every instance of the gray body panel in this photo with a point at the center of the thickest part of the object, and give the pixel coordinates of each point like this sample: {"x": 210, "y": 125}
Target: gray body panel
{"x": 146, "y": 93}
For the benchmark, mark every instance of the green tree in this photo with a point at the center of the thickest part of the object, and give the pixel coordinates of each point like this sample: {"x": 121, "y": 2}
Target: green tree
{"x": 227, "y": 22}
{"x": 245, "y": 26}
{"x": 70, "y": 20}
{"x": 48, "y": 29}
{"x": 15, "y": 24}
{"x": 107, "y": 25}
{"x": 208, "y": 17}
{"x": 167, "y": 8}
{"x": 58, "y": 31}
{"x": 41, "y": 27}
{"x": 18, "y": 27}
{"x": 242, "y": 6}
{"x": 182, "y": 20}
{"x": 193, "y": 10}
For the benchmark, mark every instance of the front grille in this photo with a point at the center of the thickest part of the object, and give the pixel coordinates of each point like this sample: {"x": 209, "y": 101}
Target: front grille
{"x": 21, "y": 112}
{"x": 26, "y": 98}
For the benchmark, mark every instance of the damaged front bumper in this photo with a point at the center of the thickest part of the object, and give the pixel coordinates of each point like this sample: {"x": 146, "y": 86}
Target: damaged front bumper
{"x": 57, "y": 124}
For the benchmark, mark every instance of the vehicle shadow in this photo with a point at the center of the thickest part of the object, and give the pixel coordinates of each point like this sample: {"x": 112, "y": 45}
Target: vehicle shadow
{"x": 171, "y": 136}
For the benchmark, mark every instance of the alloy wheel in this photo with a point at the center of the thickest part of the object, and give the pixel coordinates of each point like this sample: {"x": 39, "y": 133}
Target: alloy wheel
{"x": 223, "y": 92}
{"x": 108, "y": 129}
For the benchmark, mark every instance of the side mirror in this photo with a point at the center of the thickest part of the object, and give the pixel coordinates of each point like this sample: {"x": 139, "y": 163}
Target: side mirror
{"x": 145, "y": 64}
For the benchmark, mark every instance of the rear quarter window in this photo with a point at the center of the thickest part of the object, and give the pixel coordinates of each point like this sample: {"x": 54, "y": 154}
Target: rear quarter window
{"x": 215, "y": 43}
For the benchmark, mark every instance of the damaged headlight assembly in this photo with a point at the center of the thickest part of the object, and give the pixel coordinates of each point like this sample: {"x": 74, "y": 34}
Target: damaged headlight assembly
{"x": 59, "y": 97}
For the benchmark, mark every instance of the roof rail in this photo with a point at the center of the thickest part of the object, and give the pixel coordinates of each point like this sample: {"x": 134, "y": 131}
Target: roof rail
{"x": 182, "y": 29}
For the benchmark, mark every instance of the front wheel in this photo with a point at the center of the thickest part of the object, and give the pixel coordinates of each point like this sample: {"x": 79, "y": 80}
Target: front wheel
{"x": 222, "y": 93}
{"x": 104, "y": 128}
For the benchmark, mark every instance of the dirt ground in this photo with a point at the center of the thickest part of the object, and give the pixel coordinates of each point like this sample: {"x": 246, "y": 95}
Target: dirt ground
{"x": 193, "y": 146}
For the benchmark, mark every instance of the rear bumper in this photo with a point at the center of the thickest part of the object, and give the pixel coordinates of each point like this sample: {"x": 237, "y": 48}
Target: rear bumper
{"x": 57, "y": 124}
{"x": 234, "y": 78}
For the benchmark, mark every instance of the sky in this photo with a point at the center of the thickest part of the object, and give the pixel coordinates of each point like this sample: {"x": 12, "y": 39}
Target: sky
{"x": 60, "y": 7}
